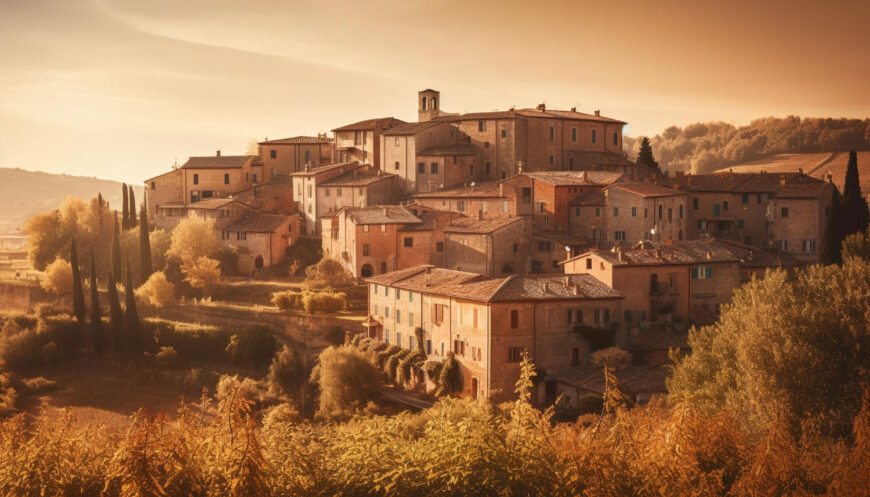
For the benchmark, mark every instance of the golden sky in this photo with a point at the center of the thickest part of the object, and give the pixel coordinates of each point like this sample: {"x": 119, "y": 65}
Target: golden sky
{"x": 121, "y": 88}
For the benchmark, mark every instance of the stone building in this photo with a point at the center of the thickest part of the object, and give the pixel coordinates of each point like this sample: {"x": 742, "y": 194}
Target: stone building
{"x": 260, "y": 240}
{"x": 409, "y": 150}
{"x": 305, "y": 191}
{"x": 491, "y": 247}
{"x": 218, "y": 176}
{"x": 488, "y": 323}
{"x": 644, "y": 211}
{"x": 359, "y": 187}
{"x": 165, "y": 198}
{"x": 553, "y": 190}
{"x": 289, "y": 155}
{"x": 361, "y": 141}
{"x": 510, "y": 197}
{"x": 221, "y": 211}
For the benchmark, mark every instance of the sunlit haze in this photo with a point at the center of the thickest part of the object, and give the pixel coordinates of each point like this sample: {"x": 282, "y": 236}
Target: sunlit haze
{"x": 123, "y": 89}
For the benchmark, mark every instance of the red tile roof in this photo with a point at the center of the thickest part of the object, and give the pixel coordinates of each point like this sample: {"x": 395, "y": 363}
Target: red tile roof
{"x": 647, "y": 190}
{"x": 218, "y": 162}
{"x": 589, "y": 197}
{"x": 328, "y": 167}
{"x": 297, "y": 140}
{"x": 489, "y": 189}
{"x": 532, "y": 113}
{"x": 463, "y": 224}
{"x": 380, "y": 123}
{"x": 576, "y": 178}
{"x": 360, "y": 176}
{"x": 380, "y": 214}
{"x": 406, "y": 129}
{"x": 783, "y": 185}
{"x": 258, "y": 223}
{"x": 215, "y": 203}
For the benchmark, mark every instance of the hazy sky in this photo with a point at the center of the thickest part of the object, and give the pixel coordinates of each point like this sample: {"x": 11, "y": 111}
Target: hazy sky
{"x": 121, "y": 89}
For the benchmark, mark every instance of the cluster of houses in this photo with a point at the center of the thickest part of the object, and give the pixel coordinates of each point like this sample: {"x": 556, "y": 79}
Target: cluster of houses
{"x": 498, "y": 232}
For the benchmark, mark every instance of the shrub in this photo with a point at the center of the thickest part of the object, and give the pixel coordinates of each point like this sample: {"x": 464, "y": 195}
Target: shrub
{"x": 287, "y": 300}
{"x": 196, "y": 344}
{"x": 403, "y": 368}
{"x": 590, "y": 404}
{"x": 286, "y": 372}
{"x": 39, "y": 385}
{"x": 193, "y": 239}
{"x": 253, "y": 347}
{"x": 167, "y": 358}
{"x": 611, "y": 357}
{"x": 282, "y": 414}
{"x": 20, "y": 349}
{"x": 58, "y": 277}
{"x": 393, "y": 362}
{"x": 202, "y": 273}
{"x": 50, "y": 353}
{"x": 302, "y": 254}
{"x": 322, "y": 302}
{"x": 448, "y": 378}
{"x": 383, "y": 356}
{"x": 8, "y": 395}
{"x": 327, "y": 273}
{"x": 433, "y": 369}
{"x": 158, "y": 291}
{"x": 347, "y": 381}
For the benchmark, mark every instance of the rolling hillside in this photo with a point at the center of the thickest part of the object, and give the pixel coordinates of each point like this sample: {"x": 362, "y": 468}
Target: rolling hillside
{"x": 25, "y": 193}
{"x": 818, "y": 165}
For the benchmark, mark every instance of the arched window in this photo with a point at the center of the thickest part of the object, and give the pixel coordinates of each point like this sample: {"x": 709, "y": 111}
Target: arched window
{"x": 434, "y": 104}
{"x": 258, "y": 262}
{"x": 423, "y": 106}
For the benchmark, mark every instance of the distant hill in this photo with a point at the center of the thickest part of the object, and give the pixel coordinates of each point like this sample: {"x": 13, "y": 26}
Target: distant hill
{"x": 25, "y": 193}
{"x": 818, "y": 165}
{"x": 705, "y": 147}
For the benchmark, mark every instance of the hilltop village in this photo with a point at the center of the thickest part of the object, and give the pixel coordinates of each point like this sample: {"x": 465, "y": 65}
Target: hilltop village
{"x": 487, "y": 234}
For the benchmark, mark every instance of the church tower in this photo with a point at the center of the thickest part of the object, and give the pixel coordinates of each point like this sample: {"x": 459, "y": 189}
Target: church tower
{"x": 428, "y": 102}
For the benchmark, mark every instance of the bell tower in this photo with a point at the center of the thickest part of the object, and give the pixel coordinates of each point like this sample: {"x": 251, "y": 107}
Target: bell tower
{"x": 428, "y": 105}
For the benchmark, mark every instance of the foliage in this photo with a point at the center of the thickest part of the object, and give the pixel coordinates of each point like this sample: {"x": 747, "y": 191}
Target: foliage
{"x": 193, "y": 239}
{"x": 96, "y": 313}
{"x": 167, "y": 358}
{"x": 854, "y": 211}
{"x": 45, "y": 234}
{"x": 611, "y": 357}
{"x": 347, "y": 381}
{"x": 160, "y": 242}
{"x": 334, "y": 335}
{"x": 403, "y": 368}
{"x": 322, "y": 302}
{"x": 20, "y": 348}
{"x": 286, "y": 372}
{"x": 857, "y": 246}
{"x": 193, "y": 343}
{"x": 253, "y": 347}
{"x": 158, "y": 291}
{"x": 202, "y": 273}
{"x": 302, "y": 254}
{"x": 133, "y": 338}
{"x": 645, "y": 155}
{"x": 116, "y": 315}
{"x": 705, "y": 147}
{"x": 287, "y": 300}
{"x": 58, "y": 277}
{"x": 785, "y": 350}
{"x": 77, "y": 290}
{"x": 145, "y": 266}
{"x": 449, "y": 376}
{"x": 327, "y": 273}
{"x": 8, "y": 395}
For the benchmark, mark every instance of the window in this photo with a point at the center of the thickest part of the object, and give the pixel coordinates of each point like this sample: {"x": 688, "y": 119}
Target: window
{"x": 645, "y": 212}
{"x": 552, "y": 159}
{"x": 739, "y": 223}
{"x": 576, "y": 212}
{"x": 515, "y": 319}
{"x": 310, "y": 191}
{"x": 410, "y": 297}
{"x": 782, "y": 245}
{"x": 365, "y": 249}
{"x": 471, "y": 170}
{"x": 437, "y": 313}
{"x": 398, "y": 316}
{"x": 411, "y": 342}
{"x": 307, "y": 156}
{"x": 227, "y": 178}
{"x": 594, "y": 136}
{"x": 573, "y": 134}
{"x": 409, "y": 241}
{"x": 273, "y": 154}
{"x": 702, "y": 225}
{"x": 195, "y": 179}
{"x": 376, "y": 291}
{"x": 681, "y": 211}
{"x": 575, "y": 316}
{"x": 552, "y": 133}
{"x": 474, "y": 318}
{"x": 326, "y": 192}
{"x": 546, "y": 221}
{"x": 387, "y": 312}
{"x": 485, "y": 144}
{"x": 516, "y": 247}
{"x": 598, "y": 212}
{"x": 695, "y": 203}
{"x": 439, "y": 247}
{"x": 702, "y": 273}
{"x": 809, "y": 246}
{"x": 634, "y": 212}
{"x": 670, "y": 215}
{"x": 154, "y": 186}
{"x": 784, "y": 212}
{"x": 716, "y": 210}
{"x": 588, "y": 263}
{"x": 627, "y": 315}
{"x": 481, "y": 126}
{"x": 487, "y": 167}
{"x": 504, "y": 206}
{"x": 383, "y": 267}
{"x": 725, "y": 205}
{"x": 383, "y": 228}
{"x": 758, "y": 198}
{"x": 503, "y": 133}
{"x": 616, "y": 212}
{"x": 515, "y": 354}
{"x": 255, "y": 177}
{"x": 544, "y": 246}
{"x": 397, "y": 165}
{"x": 365, "y": 228}
{"x": 398, "y": 339}
{"x": 421, "y": 168}
{"x": 575, "y": 356}
{"x": 396, "y": 142}
{"x": 660, "y": 212}
{"x": 571, "y": 163}
{"x": 619, "y": 235}
{"x": 429, "y": 347}
{"x": 338, "y": 192}
{"x": 460, "y": 205}
{"x": 387, "y": 337}
{"x": 616, "y": 138}
{"x": 434, "y": 168}
{"x": 745, "y": 198}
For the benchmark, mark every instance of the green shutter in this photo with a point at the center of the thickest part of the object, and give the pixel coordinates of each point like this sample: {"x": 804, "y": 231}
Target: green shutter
{"x": 709, "y": 272}
{"x": 694, "y": 273}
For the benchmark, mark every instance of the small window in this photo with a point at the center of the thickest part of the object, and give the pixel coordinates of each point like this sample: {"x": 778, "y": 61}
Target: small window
{"x": 154, "y": 185}
{"x": 434, "y": 168}
{"x": 485, "y": 144}
{"x": 725, "y": 205}
{"x": 383, "y": 228}
{"x": 745, "y": 198}
{"x": 598, "y": 212}
{"x": 338, "y": 192}
{"x": 552, "y": 133}
{"x": 460, "y": 205}
{"x": 681, "y": 211}
{"x": 695, "y": 203}
{"x": 487, "y": 167}
{"x": 481, "y": 126}
{"x": 226, "y": 178}
{"x": 576, "y": 212}
{"x": 552, "y": 159}
{"x": 439, "y": 247}
{"x": 397, "y": 141}
{"x": 255, "y": 177}
{"x": 740, "y": 223}
{"x": 571, "y": 163}
{"x": 515, "y": 354}
{"x": 616, "y": 212}
{"x": 365, "y": 249}
{"x": 195, "y": 179}
{"x": 809, "y": 246}
{"x": 594, "y": 136}
{"x": 784, "y": 212}
{"x": 421, "y": 168}
{"x": 326, "y": 192}
{"x": 397, "y": 165}
{"x": 573, "y": 134}
{"x": 307, "y": 156}
{"x": 634, "y": 212}
{"x": 273, "y": 154}
{"x": 516, "y": 247}
{"x": 589, "y": 263}
{"x": 615, "y": 139}
{"x": 504, "y": 133}
{"x": 471, "y": 170}
{"x": 515, "y": 319}
{"x": 409, "y": 242}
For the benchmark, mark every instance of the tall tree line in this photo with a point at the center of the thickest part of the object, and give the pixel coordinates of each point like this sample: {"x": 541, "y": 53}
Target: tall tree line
{"x": 849, "y": 214}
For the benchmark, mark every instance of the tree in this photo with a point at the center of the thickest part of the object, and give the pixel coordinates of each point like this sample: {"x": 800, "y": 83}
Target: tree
{"x": 286, "y": 372}
{"x": 125, "y": 216}
{"x": 58, "y": 277}
{"x": 832, "y": 242}
{"x": 854, "y": 215}
{"x": 116, "y": 250}
{"x": 645, "y": 155}
{"x": 857, "y": 246}
{"x": 347, "y": 381}
{"x": 160, "y": 241}
{"x": 611, "y": 357}
{"x": 327, "y": 273}
{"x": 77, "y": 291}
{"x": 202, "y": 274}
{"x": 132, "y": 329}
{"x": 785, "y": 350}
{"x": 192, "y": 239}
{"x": 145, "y": 268}
{"x": 158, "y": 291}
{"x": 116, "y": 315}
{"x": 253, "y": 147}
{"x": 131, "y": 211}
{"x": 45, "y": 236}
{"x": 96, "y": 314}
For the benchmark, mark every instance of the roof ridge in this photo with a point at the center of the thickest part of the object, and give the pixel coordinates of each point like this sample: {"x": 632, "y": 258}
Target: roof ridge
{"x": 501, "y": 287}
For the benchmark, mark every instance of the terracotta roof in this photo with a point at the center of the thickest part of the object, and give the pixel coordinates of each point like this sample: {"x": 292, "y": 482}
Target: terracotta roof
{"x": 450, "y": 150}
{"x": 788, "y": 183}
{"x": 814, "y": 189}
{"x": 379, "y": 123}
{"x": 576, "y": 178}
{"x": 304, "y": 140}
{"x": 596, "y": 158}
{"x": 761, "y": 258}
{"x": 218, "y": 162}
{"x": 328, "y": 167}
{"x": 360, "y": 176}
{"x": 430, "y": 220}
{"x": 410, "y": 128}
{"x": 460, "y": 284}
{"x": 661, "y": 253}
{"x": 533, "y": 113}
{"x": 589, "y": 197}
{"x": 470, "y": 225}
{"x": 214, "y": 203}
{"x": 381, "y": 214}
{"x": 589, "y": 377}
{"x": 488, "y": 189}
{"x": 647, "y": 190}
{"x": 174, "y": 171}
{"x": 257, "y": 223}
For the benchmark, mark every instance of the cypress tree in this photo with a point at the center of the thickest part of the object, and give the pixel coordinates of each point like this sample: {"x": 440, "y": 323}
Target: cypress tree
{"x": 132, "y": 210}
{"x": 832, "y": 242}
{"x": 855, "y": 213}
{"x": 116, "y": 251}
{"x": 131, "y": 316}
{"x": 78, "y": 292}
{"x": 645, "y": 155}
{"x": 125, "y": 217}
{"x": 145, "y": 269}
{"x": 116, "y": 315}
{"x": 96, "y": 314}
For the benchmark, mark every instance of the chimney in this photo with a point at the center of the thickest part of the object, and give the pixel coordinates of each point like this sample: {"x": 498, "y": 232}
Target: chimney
{"x": 542, "y": 107}
{"x": 597, "y": 113}
{"x": 546, "y": 286}
{"x": 583, "y": 176}
{"x": 500, "y": 190}
{"x": 830, "y": 178}
{"x": 709, "y": 255}
{"x": 573, "y": 109}
{"x": 218, "y": 153}
{"x": 619, "y": 253}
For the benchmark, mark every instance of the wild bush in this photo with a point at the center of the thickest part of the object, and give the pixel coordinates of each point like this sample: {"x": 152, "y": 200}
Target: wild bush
{"x": 194, "y": 345}
{"x": 253, "y": 347}
{"x": 328, "y": 273}
{"x": 157, "y": 291}
{"x": 287, "y": 300}
{"x": 286, "y": 373}
{"x": 347, "y": 381}
{"x": 322, "y": 302}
